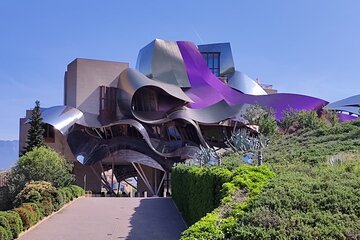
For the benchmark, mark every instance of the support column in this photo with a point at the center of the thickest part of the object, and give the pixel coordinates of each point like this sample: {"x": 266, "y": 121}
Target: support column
{"x": 142, "y": 175}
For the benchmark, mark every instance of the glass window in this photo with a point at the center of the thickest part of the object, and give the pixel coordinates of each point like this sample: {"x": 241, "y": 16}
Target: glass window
{"x": 210, "y": 61}
{"x": 205, "y": 57}
{"x": 213, "y": 61}
{"x": 216, "y": 60}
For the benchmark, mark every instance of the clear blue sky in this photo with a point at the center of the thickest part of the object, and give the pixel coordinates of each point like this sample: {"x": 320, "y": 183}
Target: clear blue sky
{"x": 301, "y": 46}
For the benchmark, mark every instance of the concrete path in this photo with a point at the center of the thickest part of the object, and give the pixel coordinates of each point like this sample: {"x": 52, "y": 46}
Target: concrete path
{"x": 112, "y": 218}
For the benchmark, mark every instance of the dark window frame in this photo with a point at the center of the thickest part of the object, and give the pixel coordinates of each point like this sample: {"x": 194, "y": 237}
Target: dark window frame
{"x": 213, "y": 56}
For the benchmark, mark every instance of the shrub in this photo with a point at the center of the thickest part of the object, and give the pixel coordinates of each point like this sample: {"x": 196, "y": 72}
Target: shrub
{"x": 40, "y": 164}
{"x": 58, "y": 200}
{"x": 63, "y": 195}
{"x": 232, "y": 161}
{"x": 24, "y": 214}
{"x": 29, "y": 213}
{"x": 4, "y": 234}
{"x": 310, "y": 198}
{"x": 77, "y": 191}
{"x": 27, "y": 195}
{"x": 6, "y": 198}
{"x": 305, "y": 203}
{"x": 45, "y": 207}
{"x": 263, "y": 117}
{"x": 35, "y": 212}
{"x": 14, "y": 222}
{"x": 68, "y": 193}
{"x": 206, "y": 228}
{"x": 43, "y": 194}
{"x": 197, "y": 190}
{"x": 246, "y": 181}
{"x": 301, "y": 120}
{"x": 5, "y": 224}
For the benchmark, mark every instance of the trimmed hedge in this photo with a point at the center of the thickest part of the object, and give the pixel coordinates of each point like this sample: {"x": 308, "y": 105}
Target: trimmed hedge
{"x": 305, "y": 202}
{"x": 197, "y": 190}
{"x": 77, "y": 191}
{"x": 34, "y": 202}
{"x": 15, "y": 222}
{"x": 228, "y": 191}
{"x": 5, "y": 224}
{"x": 4, "y": 234}
{"x": 68, "y": 194}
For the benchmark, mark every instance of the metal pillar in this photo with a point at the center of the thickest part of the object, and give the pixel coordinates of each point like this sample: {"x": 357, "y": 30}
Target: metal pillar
{"x": 143, "y": 177}
{"x": 161, "y": 182}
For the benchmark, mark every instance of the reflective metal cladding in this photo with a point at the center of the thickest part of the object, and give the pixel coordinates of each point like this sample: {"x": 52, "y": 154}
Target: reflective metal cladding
{"x": 172, "y": 93}
{"x": 350, "y": 105}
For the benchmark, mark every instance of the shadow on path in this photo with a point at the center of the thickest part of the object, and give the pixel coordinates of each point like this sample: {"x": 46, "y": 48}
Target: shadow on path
{"x": 156, "y": 218}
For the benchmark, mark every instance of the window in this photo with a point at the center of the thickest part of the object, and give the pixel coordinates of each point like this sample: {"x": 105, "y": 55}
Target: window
{"x": 49, "y": 133}
{"x": 213, "y": 61}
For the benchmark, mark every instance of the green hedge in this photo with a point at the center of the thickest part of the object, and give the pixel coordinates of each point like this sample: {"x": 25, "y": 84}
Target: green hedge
{"x": 77, "y": 191}
{"x": 5, "y": 224}
{"x": 306, "y": 203}
{"x": 197, "y": 191}
{"x": 35, "y": 201}
{"x": 15, "y": 222}
{"x": 4, "y": 234}
{"x": 67, "y": 193}
{"x": 224, "y": 193}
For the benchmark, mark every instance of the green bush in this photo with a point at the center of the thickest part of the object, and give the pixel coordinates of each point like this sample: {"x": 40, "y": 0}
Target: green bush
{"x": 226, "y": 190}
{"x": 77, "y": 191}
{"x": 232, "y": 161}
{"x": 5, "y": 224}
{"x": 305, "y": 203}
{"x": 310, "y": 197}
{"x": 58, "y": 200}
{"x": 206, "y": 228}
{"x": 43, "y": 194}
{"x": 197, "y": 190}
{"x": 262, "y": 117}
{"x": 45, "y": 207}
{"x": 4, "y": 234}
{"x": 35, "y": 212}
{"x": 68, "y": 193}
{"x": 25, "y": 216}
{"x": 40, "y": 164}
{"x": 14, "y": 222}
{"x": 29, "y": 214}
{"x": 63, "y": 194}
{"x": 295, "y": 120}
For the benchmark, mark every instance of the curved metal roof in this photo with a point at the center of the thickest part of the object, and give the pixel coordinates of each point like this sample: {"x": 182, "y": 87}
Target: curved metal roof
{"x": 245, "y": 84}
{"x": 208, "y": 90}
{"x": 162, "y": 60}
{"x": 190, "y": 91}
{"x": 350, "y": 105}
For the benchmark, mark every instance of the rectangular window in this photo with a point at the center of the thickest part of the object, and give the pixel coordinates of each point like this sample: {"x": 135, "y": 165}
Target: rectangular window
{"x": 212, "y": 60}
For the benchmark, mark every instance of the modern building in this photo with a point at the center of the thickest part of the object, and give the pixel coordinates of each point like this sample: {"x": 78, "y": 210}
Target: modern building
{"x": 139, "y": 122}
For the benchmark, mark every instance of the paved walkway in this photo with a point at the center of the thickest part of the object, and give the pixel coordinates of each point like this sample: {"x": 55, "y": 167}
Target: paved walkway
{"x": 112, "y": 218}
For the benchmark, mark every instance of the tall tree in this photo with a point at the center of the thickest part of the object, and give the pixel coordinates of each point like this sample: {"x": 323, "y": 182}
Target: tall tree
{"x": 35, "y": 136}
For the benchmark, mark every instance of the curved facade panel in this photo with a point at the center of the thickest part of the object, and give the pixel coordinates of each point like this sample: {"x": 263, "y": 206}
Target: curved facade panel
{"x": 162, "y": 60}
{"x": 350, "y": 105}
{"x": 174, "y": 102}
{"x": 61, "y": 118}
{"x": 204, "y": 82}
{"x": 245, "y": 84}
{"x": 174, "y": 89}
